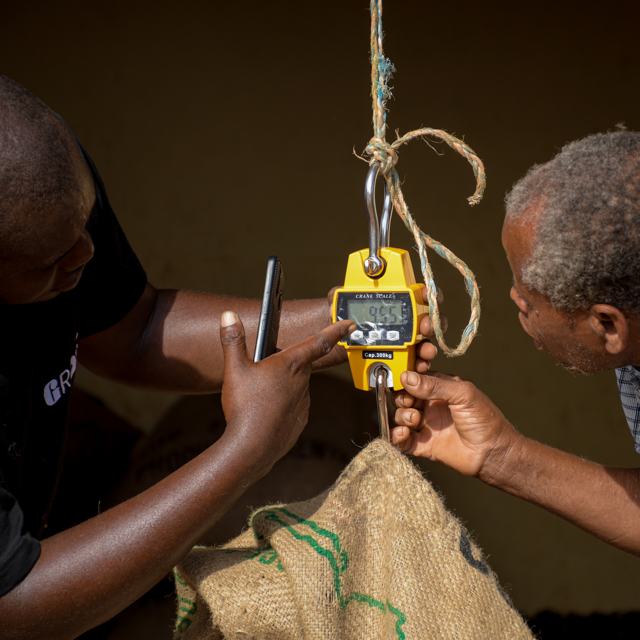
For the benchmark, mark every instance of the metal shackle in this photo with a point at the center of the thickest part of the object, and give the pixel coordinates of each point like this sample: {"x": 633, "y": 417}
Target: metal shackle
{"x": 381, "y": 374}
{"x": 379, "y": 229}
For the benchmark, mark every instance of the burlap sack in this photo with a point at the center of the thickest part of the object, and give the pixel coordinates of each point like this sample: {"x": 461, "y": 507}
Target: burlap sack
{"x": 376, "y": 556}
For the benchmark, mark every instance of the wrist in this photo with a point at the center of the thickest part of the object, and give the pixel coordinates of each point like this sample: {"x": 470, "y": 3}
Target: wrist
{"x": 302, "y": 318}
{"x": 253, "y": 456}
{"x": 503, "y": 458}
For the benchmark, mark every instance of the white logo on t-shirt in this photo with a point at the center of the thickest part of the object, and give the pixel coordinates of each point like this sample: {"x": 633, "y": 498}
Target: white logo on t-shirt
{"x": 57, "y": 387}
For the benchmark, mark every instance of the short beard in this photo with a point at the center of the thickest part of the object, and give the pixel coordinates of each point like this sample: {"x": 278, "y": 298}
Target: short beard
{"x": 580, "y": 361}
{"x": 574, "y": 369}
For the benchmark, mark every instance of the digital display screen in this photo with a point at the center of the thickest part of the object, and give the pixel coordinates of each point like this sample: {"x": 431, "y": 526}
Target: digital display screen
{"x": 378, "y": 312}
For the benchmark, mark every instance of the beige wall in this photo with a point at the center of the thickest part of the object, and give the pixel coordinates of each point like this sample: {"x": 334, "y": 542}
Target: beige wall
{"x": 224, "y": 132}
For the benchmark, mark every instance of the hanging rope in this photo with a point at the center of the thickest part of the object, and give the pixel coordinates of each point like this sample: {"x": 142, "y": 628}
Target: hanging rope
{"x": 386, "y": 155}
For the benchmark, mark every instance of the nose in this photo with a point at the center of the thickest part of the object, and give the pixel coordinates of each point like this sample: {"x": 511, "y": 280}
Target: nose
{"x": 79, "y": 255}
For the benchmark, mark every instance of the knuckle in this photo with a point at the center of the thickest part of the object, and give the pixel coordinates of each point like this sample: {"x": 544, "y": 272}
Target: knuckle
{"x": 427, "y": 383}
{"x": 295, "y": 364}
{"x": 468, "y": 388}
{"x": 232, "y": 335}
{"x": 324, "y": 345}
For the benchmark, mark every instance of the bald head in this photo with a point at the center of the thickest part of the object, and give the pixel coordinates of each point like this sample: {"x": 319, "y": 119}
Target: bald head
{"x": 43, "y": 177}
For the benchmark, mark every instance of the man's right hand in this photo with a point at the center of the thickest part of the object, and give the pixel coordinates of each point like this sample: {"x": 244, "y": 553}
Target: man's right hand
{"x": 450, "y": 420}
{"x": 266, "y": 404}
{"x": 110, "y": 560}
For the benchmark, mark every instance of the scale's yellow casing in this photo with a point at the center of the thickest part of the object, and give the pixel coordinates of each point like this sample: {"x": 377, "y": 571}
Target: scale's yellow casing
{"x": 397, "y": 289}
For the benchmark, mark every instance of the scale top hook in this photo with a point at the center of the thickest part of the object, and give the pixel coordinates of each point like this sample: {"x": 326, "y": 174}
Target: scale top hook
{"x": 379, "y": 229}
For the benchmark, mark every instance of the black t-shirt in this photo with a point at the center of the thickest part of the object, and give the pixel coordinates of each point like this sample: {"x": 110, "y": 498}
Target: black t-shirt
{"x": 38, "y": 360}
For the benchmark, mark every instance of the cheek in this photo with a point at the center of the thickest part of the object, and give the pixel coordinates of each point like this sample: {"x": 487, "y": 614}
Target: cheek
{"x": 543, "y": 337}
{"x": 554, "y": 339}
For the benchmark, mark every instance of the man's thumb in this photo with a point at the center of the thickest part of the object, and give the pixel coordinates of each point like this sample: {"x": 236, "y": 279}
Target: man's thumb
{"x": 232, "y": 337}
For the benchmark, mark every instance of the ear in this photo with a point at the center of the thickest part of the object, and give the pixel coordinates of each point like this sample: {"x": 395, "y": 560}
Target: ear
{"x": 612, "y": 327}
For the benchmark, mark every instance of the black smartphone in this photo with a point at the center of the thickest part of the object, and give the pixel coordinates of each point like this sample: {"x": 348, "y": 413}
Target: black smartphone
{"x": 269, "y": 323}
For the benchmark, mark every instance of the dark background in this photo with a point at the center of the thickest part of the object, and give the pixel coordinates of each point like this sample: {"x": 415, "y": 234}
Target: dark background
{"x": 224, "y": 133}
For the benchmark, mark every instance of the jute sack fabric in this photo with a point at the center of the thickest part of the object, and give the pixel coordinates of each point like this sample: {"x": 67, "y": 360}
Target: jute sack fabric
{"x": 376, "y": 556}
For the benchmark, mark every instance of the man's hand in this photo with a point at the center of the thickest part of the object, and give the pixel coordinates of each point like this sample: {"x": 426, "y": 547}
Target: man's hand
{"x": 110, "y": 560}
{"x": 449, "y": 420}
{"x": 266, "y": 404}
{"x": 337, "y": 355}
{"x": 426, "y": 351}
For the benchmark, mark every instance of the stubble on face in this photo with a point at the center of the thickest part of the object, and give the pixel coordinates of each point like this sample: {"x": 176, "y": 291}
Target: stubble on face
{"x": 579, "y": 361}
{"x": 551, "y": 330}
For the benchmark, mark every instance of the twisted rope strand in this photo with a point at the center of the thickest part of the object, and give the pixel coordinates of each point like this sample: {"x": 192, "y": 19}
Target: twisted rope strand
{"x": 386, "y": 155}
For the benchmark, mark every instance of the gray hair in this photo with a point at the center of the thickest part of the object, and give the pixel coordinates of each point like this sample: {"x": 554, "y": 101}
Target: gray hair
{"x": 587, "y": 240}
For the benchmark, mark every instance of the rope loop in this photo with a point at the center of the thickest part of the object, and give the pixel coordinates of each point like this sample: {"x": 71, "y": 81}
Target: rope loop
{"x": 380, "y": 151}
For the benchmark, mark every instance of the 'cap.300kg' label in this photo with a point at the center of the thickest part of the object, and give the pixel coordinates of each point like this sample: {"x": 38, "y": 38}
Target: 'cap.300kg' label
{"x": 377, "y": 355}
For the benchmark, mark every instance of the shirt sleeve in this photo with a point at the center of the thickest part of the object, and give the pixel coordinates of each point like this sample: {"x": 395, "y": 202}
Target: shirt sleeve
{"x": 114, "y": 279}
{"x": 628, "y": 379}
{"x": 18, "y": 550}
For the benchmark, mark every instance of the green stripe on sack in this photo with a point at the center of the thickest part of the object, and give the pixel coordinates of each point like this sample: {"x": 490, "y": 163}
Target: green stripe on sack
{"x": 186, "y": 606}
{"x": 323, "y": 532}
{"x": 179, "y": 579}
{"x": 183, "y": 623}
{"x": 338, "y": 564}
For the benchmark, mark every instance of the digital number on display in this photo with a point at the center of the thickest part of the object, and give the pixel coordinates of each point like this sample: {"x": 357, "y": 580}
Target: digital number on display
{"x": 366, "y": 313}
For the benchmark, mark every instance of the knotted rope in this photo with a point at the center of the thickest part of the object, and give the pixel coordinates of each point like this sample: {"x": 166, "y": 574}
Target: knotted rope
{"x": 386, "y": 155}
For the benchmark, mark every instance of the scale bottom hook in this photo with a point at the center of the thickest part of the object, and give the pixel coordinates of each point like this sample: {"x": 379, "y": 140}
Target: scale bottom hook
{"x": 381, "y": 375}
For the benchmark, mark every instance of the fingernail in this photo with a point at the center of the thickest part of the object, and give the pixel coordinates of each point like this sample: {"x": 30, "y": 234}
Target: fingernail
{"x": 228, "y": 318}
{"x": 411, "y": 378}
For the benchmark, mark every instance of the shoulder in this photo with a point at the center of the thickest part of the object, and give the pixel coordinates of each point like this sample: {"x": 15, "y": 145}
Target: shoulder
{"x": 628, "y": 375}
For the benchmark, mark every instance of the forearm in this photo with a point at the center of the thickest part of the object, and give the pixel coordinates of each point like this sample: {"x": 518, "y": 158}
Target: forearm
{"x": 91, "y": 572}
{"x": 179, "y": 349}
{"x": 604, "y": 501}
